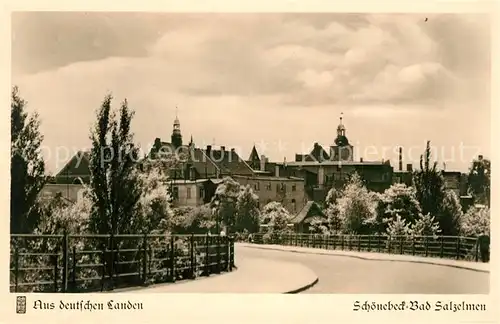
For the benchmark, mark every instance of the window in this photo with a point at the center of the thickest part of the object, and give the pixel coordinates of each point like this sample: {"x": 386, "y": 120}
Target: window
{"x": 188, "y": 193}
{"x": 202, "y": 192}
{"x": 268, "y": 187}
{"x": 256, "y": 186}
{"x": 283, "y": 187}
{"x": 278, "y": 187}
{"x": 294, "y": 205}
{"x": 294, "y": 187}
{"x": 175, "y": 193}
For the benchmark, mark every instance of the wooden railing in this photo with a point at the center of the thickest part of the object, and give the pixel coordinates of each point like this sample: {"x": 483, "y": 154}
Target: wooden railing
{"x": 79, "y": 263}
{"x": 452, "y": 247}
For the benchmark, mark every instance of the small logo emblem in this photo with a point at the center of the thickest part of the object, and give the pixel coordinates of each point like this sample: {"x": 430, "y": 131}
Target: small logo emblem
{"x": 21, "y": 304}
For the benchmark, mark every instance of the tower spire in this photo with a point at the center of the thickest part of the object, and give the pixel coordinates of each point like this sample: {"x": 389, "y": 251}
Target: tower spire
{"x": 176, "y": 137}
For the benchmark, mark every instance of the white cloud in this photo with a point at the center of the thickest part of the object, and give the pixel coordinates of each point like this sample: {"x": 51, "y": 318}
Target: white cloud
{"x": 238, "y": 78}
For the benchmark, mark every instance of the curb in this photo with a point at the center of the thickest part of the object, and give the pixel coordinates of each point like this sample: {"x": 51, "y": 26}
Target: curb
{"x": 432, "y": 262}
{"x": 303, "y": 288}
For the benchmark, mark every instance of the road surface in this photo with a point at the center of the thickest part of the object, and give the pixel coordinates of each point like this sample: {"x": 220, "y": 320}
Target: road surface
{"x": 339, "y": 274}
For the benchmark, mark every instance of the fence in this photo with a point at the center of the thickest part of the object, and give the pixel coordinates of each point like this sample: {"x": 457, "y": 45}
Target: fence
{"x": 85, "y": 263}
{"x": 452, "y": 247}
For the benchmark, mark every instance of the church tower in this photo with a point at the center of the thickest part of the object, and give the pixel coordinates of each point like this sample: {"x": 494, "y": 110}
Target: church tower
{"x": 342, "y": 150}
{"x": 176, "y": 138}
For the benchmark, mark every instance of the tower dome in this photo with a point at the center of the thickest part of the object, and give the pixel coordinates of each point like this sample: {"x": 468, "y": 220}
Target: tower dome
{"x": 341, "y": 139}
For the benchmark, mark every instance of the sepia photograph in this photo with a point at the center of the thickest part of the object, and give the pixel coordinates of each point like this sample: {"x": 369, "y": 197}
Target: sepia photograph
{"x": 238, "y": 153}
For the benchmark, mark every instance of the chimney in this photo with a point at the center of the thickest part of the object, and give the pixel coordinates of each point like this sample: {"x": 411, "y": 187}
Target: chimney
{"x": 263, "y": 161}
{"x": 209, "y": 149}
{"x": 277, "y": 171}
{"x": 400, "y": 159}
{"x": 223, "y": 148}
{"x": 409, "y": 167}
{"x": 480, "y": 157}
{"x": 233, "y": 150}
{"x": 361, "y": 160}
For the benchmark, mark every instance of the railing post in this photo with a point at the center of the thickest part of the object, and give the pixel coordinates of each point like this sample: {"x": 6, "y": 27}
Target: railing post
{"x": 65, "y": 262}
{"x": 379, "y": 244}
{"x": 477, "y": 250}
{"x": 111, "y": 262}
{"x": 56, "y": 271}
{"x": 207, "y": 255}
{"x": 335, "y": 242}
{"x": 231, "y": 251}
{"x": 342, "y": 241}
{"x": 73, "y": 274}
{"x": 144, "y": 259}
{"x": 350, "y": 243}
{"x": 193, "y": 261}
{"x": 389, "y": 244}
{"x": 426, "y": 246}
{"x": 441, "y": 253}
{"x": 458, "y": 248}
{"x": 228, "y": 252}
{"x": 413, "y": 245}
{"x": 401, "y": 245}
{"x": 359, "y": 243}
{"x": 172, "y": 258}
{"x": 296, "y": 239}
{"x": 16, "y": 268}
{"x": 369, "y": 242}
{"x": 217, "y": 240}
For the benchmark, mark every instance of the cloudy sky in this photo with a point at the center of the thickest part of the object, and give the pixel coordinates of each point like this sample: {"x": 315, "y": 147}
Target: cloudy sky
{"x": 277, "y": 80}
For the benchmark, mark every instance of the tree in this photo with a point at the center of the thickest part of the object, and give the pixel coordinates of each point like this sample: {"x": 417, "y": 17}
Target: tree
{"x": 450, "y": 214}
{"x": 331, "y": 210}
{"x": 429, "y": 185}
{"x": 247, "y": 211}
{"x": 27, "y": 168}
{"x": 276, "y": 217}
{"x": 425, "y": 225}
{"x": 224, "y": 202}
{"x": 155, "y": 199}
{"x": 357, "y": 207}
{"x": 479, "y": 180}
{"x": 398, "y": 227}
{"x": 114, "y": 171}
{"x": 397, "y": 200}
{"x": 476, "y": 222}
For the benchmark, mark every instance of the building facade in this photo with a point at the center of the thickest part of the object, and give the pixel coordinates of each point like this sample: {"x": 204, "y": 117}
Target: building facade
{"x": 289, "y": 191}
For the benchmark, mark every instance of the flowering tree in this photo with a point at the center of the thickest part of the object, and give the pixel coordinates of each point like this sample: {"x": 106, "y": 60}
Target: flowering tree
{"x": 425, "y": 225}
{"x": 397, "y": 200}
{"x": 275, "y": 216}
{"x": 357, "y": 207}
{"x": 200, "y": 220}
{"x": 154, "y": 203}
{"x": 225, "y": 200}
{"x": 476, "y": 222}
{"x": 398, "y": 227}
{"x": 247, "y": 211}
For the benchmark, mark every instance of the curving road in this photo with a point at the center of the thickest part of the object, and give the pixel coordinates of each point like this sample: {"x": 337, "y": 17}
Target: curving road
{"x": 345, "y": 275}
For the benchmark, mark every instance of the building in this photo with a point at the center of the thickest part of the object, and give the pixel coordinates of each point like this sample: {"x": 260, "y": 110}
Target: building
{"x": 70, "y": 192}
{"x": 311, "y": 212}
{"x": 196, "y": 172}
{"x": 289, "y": 191}
{"x": 193, "y": 192}
{"x": 322, "y": 170}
